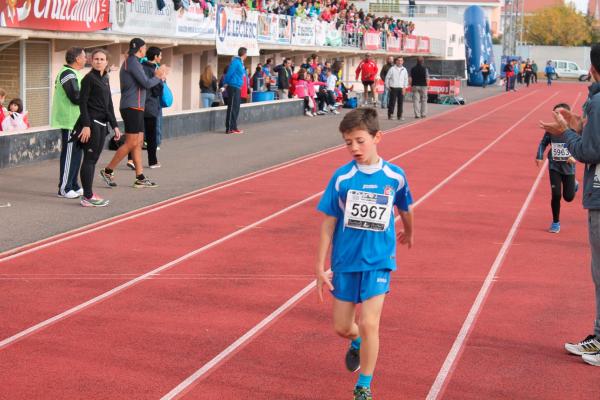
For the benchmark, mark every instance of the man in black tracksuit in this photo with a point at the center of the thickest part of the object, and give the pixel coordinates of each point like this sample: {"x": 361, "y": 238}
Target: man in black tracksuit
{"x": 152, "y": 107}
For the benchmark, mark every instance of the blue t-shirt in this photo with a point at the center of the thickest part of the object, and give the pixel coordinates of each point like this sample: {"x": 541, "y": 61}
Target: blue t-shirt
{"x": 356, "y": 249}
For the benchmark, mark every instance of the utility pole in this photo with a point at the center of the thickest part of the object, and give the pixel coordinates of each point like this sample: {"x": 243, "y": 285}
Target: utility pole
{"x": 513, "y": 26}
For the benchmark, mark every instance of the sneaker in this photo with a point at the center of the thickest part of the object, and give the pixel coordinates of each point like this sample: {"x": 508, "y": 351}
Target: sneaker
{"x": 335, "y": 111}
{"x": 390, "y": 117}
{"x": 71, "y": 194}
{"x": 353, "y": 359}
{"x": 144, "y": 183}
{"x": 592, "y": 359}
{"x": 589, "y": 345}
{"x": 362, "y": 393}
{"x": 400, "y": 118}
{"x": 131, "y": 165}
{"x": 153, "y": 166}
{"x": 95, "y": 201}
{"x": 308, "y": 114}
{"x": 79, "y": 191}
{"x": 4, "y": 204}
{"x": 555, "y": 228}
{"x": 236, "y": 131}
{"x": 108, "y": 178}
{"x": 321, "y": 112}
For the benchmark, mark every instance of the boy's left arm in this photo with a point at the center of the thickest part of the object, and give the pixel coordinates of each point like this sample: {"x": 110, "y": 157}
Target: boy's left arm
{"x": 407, "y": 236}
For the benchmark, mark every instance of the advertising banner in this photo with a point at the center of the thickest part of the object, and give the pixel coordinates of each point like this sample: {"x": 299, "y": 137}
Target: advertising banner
{"x": 321, "y": 28}
{"x": 194, "y": 23}
{"x": 56, "y": 15}
{"x": 410, "y": 44}
{"x": 393, "y": 43}
{"x": 268, "y": 28}
{"x": 142, "y": 17}
{"x": 423, "y": 44}
{"x": 236, "y": 28}
{"x": 285, "y": 30}
{"x": 303, "y": 32}
{"x": 372, "y": 41}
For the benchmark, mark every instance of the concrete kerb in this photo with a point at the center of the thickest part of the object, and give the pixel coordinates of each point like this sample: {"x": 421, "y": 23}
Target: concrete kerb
{"x": 39, "y": 144}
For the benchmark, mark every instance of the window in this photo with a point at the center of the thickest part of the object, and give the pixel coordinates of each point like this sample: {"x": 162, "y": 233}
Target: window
{"x": 461, "y": 40}
{"x": 453, "y": 38}
{"x": 573, "y": 67}
{"x": 561, "y": 65}
{"x": 450, "y": 51}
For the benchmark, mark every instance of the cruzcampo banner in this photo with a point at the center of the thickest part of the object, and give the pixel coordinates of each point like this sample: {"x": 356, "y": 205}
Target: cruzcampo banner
{"x": 55, "y": 15}
{"x": 236, "y": 28}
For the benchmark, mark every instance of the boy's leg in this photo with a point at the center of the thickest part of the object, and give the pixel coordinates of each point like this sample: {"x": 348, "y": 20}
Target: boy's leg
{"x": 568, "y": 187}
{"x": 555, "y": 185}
{"x": 344, "y": 319}
{"x": 370, "y": 316}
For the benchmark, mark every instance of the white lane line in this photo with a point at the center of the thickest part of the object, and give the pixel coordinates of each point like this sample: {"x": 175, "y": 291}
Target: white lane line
{"x": 62, "y": 237}
{"x": 164, "y": 267}
{"x": 455, "y": 350}
{"x": 183, "y": 386}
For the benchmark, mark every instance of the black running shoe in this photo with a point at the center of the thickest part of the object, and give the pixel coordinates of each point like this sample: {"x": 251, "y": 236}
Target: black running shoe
{"x": 144, "y": 183}
{"x": 362, "y": 393}
{"x": 353, "y": 359}
{"x": 108, "y": 178}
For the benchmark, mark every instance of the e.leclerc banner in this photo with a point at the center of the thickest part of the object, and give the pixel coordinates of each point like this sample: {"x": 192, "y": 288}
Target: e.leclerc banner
{"x": 236, "y": 28}
{"x": 56, "y": 15}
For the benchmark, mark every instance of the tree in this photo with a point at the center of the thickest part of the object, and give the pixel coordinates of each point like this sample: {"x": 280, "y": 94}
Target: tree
{"x": 560, "y": 25}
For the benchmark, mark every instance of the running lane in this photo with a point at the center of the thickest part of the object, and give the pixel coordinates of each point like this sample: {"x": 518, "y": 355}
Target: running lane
{"x": 542, "y": 298}
{"x": 143, "y": 341}
{"x": 460, "y": 230}
{"x": 37, "y": 285}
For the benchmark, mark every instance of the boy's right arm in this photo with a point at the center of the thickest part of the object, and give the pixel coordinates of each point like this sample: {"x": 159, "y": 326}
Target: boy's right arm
{"x": 326, "y": 236}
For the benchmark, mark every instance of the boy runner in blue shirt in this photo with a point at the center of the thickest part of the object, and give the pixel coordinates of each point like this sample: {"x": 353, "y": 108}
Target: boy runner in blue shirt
{"x": 359, "y": 225}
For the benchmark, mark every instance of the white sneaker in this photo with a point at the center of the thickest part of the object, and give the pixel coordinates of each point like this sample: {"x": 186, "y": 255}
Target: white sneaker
{"x": 308, "y": 114}
{"x": 79, "y": 192}
{"x": 589, "y": 345}
{"x": 335, "y": 111}
{"x": 71, "y": 194}
{"x": 592, "y": 359}
{"x": 321, "y": 112}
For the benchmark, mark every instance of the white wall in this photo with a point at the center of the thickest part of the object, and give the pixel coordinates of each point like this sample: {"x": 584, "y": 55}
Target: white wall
{"x": 444, "y": 31}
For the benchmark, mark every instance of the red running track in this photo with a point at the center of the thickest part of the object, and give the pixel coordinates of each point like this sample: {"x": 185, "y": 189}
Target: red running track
{"x": 143, "y": 341}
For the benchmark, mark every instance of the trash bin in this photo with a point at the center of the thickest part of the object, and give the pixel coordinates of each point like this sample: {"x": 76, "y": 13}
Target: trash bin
{"x": 262, "y": 96}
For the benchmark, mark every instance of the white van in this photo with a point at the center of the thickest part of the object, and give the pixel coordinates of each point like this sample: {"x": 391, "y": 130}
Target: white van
{"x": 569, "y": 69}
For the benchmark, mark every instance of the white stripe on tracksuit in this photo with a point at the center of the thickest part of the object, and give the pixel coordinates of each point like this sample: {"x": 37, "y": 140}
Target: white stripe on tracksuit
{"x": 67, "y": 167}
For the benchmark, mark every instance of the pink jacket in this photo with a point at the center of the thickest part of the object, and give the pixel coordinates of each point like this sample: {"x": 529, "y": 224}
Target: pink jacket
{"x": 312, "y": 88}
{"x": 301, "y": 89}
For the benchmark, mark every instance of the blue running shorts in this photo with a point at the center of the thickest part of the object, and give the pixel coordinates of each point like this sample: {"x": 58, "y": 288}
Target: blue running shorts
{"x": 356, "y": 287}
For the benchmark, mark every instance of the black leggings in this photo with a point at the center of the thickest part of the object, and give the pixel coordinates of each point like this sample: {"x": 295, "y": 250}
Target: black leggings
{"x": 567, "y": 182}
{"x": 150, "y": 136}
{"x": 91, "y": 154}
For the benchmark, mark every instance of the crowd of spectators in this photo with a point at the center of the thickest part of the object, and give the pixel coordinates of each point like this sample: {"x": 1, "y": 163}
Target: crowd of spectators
{"x": 345, "y": 16}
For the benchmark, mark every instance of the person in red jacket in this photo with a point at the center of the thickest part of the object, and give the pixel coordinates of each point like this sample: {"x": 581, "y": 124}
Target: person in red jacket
{"x": 368, "y": 69}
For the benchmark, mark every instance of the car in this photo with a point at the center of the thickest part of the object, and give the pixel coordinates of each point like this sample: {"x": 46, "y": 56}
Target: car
{"x": 569, "y": 69}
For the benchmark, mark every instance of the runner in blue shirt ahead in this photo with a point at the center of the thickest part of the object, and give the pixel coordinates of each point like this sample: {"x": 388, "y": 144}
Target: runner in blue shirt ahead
{"x": 359, "y": 225}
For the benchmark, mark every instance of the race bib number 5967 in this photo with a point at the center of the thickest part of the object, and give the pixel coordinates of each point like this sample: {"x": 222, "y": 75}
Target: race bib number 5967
{"x": 368, "y": 211}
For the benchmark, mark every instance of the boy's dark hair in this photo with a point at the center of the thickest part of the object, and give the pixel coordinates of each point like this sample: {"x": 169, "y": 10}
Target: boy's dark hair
{"x": 18, "y": 102}
{"x": 242, "y": 51}
{"x": 562, "y": 105}
{"x": 152, "y": 53}
{"x": 595, "y": 57}
{"x": 72, "y": 54}
{"x": 360, "y": 118}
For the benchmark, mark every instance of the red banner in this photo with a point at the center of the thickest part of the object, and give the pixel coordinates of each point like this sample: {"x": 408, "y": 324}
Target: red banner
{"x": 55, "y": 15}
{"x": 444, "y": 86}
{"x": 372, "y": 41}
{"x": 394, "y": 44}
{"x": 410, "y": 44}
{"x": 423, "y": 45}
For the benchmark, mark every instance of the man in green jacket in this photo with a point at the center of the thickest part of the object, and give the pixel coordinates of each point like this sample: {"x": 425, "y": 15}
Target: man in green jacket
{"x": 65, "y": 112}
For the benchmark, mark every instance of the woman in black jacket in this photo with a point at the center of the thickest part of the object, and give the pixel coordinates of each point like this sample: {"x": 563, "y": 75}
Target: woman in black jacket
{"x": 96, "y": 113}
{"x": 152, "y": 107}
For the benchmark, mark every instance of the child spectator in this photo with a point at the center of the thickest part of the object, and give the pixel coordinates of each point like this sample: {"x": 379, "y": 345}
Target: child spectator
{"x": 16, "y": 118}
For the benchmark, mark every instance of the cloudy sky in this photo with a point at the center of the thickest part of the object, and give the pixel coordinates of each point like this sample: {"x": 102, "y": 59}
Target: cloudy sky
{"x": 580, "y": 4}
